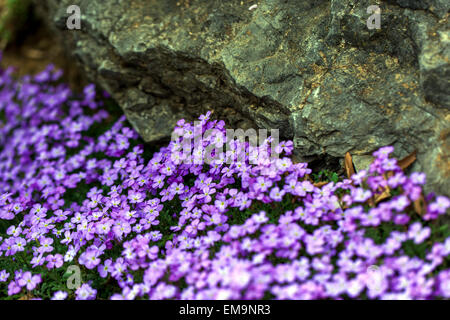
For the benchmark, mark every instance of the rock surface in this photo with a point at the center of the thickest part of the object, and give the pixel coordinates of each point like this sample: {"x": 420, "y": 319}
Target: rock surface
{"x": 310, "y": 68}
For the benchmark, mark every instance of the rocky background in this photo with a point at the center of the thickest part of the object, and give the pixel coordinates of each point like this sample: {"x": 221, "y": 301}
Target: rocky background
{"x": 310, "y": 68}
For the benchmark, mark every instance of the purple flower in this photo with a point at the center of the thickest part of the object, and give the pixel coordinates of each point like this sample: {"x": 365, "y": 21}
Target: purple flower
{"x": 305, "y": 187}
{"x": 360, "y": 195}
{"x": 85, "y": 292}
{"x": 37, "y": 260}
{"x": 444, "y": 283}
{"x": 119, "y": 268}
{"x": 95, "y": 200}
{"x": 13, "y": 288}
{"x": 401, "y": 219}
{"x": 384, "y": 152}
{"x": 440, "y": 205}
{"x": 399, "y": 203}
{"x": 90, "y": 259}
{"x": 135, "y": 197}
{"x": 206, "y": 194}
{"x": 4, "y": 276}
{"x": 283, "y": 164}
{"x": 417, "y": 233}
{"x": 59, "y": 295}
{"x": 105, "y": 268}
{"x": 54, "y": 261}
{"x": 418, "y": 178}
{"x": 285, "y": 146}
{"x": 176, "y": 188}
{"x": 19, "y": 244}
{"x": 45, "y": 245}
{"x": 262, "y": 185}
{"x": 276, "y": 194}
{"x": 29, "y": 281}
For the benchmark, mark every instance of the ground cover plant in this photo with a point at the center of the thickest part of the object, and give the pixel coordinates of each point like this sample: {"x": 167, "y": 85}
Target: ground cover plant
{"x": 78, "y": 189}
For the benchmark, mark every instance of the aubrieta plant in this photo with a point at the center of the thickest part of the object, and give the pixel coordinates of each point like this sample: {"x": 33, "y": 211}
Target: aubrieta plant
{"x": 164, "y": 227}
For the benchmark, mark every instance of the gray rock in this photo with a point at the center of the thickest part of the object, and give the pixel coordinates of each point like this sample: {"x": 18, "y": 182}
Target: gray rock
{"x": 311, "y": 69}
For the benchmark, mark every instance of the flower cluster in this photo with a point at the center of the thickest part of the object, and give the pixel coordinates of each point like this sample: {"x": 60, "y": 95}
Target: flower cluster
{"x": 164, "y": 228}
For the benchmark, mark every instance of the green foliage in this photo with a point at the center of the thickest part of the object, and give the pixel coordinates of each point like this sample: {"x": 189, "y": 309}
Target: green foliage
{"x": 325, "y": 175}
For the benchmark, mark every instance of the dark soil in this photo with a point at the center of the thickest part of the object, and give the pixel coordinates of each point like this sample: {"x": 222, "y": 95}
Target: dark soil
{"x": 35, "y": 49}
